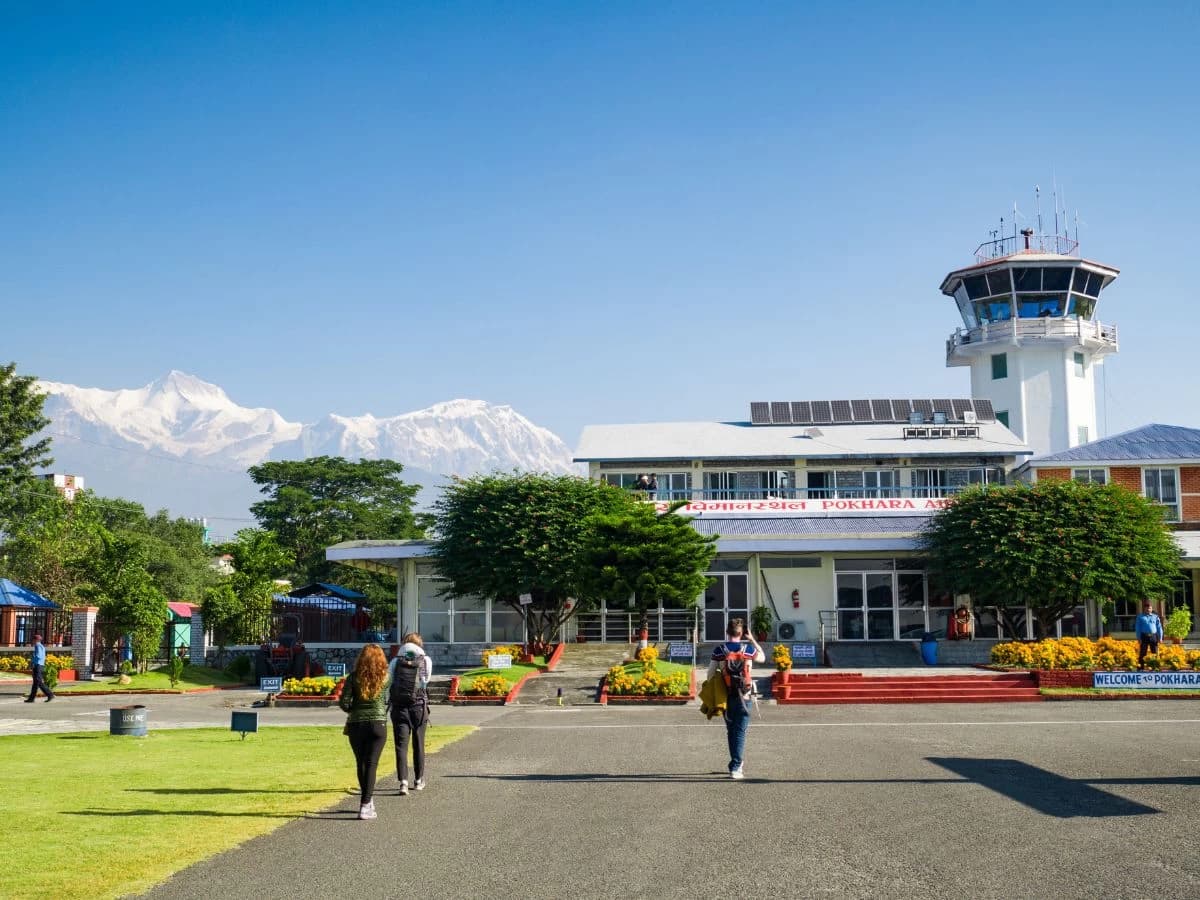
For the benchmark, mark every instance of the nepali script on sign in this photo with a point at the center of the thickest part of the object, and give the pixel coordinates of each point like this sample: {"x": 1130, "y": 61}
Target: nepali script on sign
{"x": 1147, "y": 680}
{"x": 877, "y": 506}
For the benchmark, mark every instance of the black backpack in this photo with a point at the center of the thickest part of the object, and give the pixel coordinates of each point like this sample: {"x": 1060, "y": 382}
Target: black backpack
{"x": 407, "y": 689}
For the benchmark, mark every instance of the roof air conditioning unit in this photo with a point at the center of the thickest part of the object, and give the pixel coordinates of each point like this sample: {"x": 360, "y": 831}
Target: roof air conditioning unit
{"x": 790, "y": 631}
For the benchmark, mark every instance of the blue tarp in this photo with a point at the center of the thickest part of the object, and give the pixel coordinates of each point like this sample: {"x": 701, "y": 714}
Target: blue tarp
{"x": 318, "y": 601}
{"x": 327, "y": 590}
{"x": 12, "y": 594}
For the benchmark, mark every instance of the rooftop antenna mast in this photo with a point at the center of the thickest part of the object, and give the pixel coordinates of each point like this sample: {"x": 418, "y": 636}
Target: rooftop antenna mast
{"x": 1037, "y": 192}
{"x": 1054, "y": 196}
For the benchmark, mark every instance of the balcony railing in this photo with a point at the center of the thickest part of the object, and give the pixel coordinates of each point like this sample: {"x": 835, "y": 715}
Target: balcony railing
{"x": 1049, "y": 327}
{"x": 1035, "y": 243}
{"x": 840, "y": 493}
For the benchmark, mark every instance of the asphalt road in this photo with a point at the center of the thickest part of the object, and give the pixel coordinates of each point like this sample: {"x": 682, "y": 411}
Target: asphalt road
{"x": 1020, "y": 800}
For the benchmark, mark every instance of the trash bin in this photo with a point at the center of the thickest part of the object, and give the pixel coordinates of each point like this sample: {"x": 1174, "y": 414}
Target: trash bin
{"x": 929, "y": 648}
{"x": 129, "y": 720}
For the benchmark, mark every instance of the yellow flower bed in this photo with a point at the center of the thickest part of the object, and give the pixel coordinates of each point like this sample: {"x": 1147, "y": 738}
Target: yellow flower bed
{"x": 647, "y": 656}
{"x": 22, "y": 663}
{"x": 315, "y": 687}
{"x": 1106, "y": 654}
{"x": 487, "y": 686}
{"x": 781, "y": 657}
{"x": 513, "y": 650}
{"x": 651, "y": 683}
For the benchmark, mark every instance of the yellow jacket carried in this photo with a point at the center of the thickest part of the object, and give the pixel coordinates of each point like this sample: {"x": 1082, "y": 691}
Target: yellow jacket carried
{"x": 714, "y": 698}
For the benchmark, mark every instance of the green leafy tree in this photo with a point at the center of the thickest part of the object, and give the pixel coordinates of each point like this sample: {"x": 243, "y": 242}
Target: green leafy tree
{"x": 650, "y": 558}
{"x": 129, "y": 600}
{"x": 501, "y": 536}
{"x": 20, "y": 420}
{"x": 1051, "y": 547}
{"x": 178, "y": 558}
{"x": 314, "y": 503}
{"x": 238, "y": 608}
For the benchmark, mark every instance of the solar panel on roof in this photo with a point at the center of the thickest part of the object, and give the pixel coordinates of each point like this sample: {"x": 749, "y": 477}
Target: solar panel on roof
{"x": 901, "y": 409}
{"x": 983, "y": 410}
{"x": 781, "y": 413}
{"x": 862, "y": 410}
{"x": 801, "y": 412}
{"x": 841, "y": 411}
{"x": 760, "y": 413}
{"x": 945, "y": 407}
{"x": 924, "y": 407}
{"x": 960, "y": 407}
{"x": 821, "y": 414}
{"x": 881, "y": 410}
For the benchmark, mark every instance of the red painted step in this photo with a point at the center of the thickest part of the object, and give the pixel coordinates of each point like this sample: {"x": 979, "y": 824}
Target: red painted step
{"x": 1001, "y": 688}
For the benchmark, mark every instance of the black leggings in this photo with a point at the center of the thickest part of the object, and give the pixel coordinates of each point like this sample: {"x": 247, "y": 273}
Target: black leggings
{"x": 408, "y": 721}
{"x": 367, "y": 740}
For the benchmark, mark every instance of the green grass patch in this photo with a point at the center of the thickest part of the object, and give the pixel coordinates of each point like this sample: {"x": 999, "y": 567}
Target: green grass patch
{"x": 512, "y": 674}
{"x": 635, "y": 669}
{"x": 1117, "y": 691}
{"x": 156, "y": 680}
{"x": 94, "y": 815}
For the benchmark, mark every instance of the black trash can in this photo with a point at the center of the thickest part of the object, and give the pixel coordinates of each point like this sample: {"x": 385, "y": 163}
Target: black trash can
{"x": 929, "y": 648}
{"x": 129, "y": 720}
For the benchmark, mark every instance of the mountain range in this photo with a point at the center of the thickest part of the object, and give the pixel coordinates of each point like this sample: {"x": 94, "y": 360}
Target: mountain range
{"x": 182, "y": 444}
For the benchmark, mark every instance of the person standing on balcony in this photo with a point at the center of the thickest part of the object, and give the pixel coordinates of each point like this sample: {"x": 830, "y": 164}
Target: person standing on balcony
{"x": 734, "y": 659}
{"x": 38, "y": 665}
{"x": 642, "y": 483}
{"x": 1149, "y": 631}
{"x": 364, "y": 699}
{"x": 651, "y": 485}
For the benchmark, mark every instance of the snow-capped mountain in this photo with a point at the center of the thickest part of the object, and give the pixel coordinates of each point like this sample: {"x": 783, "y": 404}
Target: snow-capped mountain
{"x": 183, "y": 444}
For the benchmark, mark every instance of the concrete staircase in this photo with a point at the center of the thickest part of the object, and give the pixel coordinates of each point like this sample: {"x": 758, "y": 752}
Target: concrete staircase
{"x": 834, "y": 687}
{"x": 577, "y": 675}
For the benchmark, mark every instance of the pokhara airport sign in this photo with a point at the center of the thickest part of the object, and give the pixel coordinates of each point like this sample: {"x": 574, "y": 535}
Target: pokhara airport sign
{"x": 874, "y": 506}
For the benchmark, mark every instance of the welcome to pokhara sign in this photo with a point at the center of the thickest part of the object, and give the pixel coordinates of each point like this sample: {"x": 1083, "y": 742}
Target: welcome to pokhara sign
{"x": 874, "y": 506}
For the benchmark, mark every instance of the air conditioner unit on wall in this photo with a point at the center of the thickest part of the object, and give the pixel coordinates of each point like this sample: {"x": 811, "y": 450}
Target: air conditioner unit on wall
{"x": 790, "y": 631}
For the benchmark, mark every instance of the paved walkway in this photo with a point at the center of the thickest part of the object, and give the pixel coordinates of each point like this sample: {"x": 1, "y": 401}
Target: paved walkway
{"x": 1070, "y": 800}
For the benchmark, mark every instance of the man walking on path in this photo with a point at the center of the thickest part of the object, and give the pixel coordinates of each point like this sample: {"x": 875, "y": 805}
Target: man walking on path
{"x": 1149, "y": 631}
{"x": 733, "y": 659}
{"x": 39, "y": 671}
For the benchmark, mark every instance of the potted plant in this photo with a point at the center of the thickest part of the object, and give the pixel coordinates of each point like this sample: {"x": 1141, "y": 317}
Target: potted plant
{"x": 1178, "y": 624}
{"x": 761, "y": 621}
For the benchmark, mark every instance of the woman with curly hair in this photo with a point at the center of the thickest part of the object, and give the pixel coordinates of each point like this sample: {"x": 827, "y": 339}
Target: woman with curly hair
{"x": 364, "y": 698}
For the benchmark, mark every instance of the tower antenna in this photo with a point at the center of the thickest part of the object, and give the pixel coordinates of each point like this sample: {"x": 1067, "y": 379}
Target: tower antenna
{"x": 1054, "y": 196}
{"x": 1037, "y": 191}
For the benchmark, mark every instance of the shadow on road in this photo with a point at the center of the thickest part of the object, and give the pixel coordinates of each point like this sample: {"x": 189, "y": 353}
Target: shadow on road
{"x": 1048, "y": 792}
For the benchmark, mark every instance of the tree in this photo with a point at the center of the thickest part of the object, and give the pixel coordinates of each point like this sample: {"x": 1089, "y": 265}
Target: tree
{"x": 313, "y": 503}
{"x": 501, "y": 536}
{"x": 238, "y": 608}
{"x": 1051, "y": 547}
{"x": 129, "y": 600}
{"x": 20, "y": 419}
{"x": 652, "y": 559}
{"x": 176, "y": 554}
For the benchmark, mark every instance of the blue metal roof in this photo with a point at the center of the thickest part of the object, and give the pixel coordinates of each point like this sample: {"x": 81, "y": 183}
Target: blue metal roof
{"x": 320, "y": 588}
{"x": 13, "y": 594}
{"x": 1150, "y": 442}
{"x": 788, "y": 526}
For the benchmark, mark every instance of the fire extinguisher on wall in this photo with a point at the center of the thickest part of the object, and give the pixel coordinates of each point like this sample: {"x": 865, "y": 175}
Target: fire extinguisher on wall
{"x": 795, "y": 599}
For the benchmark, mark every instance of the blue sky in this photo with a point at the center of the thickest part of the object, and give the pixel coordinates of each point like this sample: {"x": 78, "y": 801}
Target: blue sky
{"x": 593, "y": 212}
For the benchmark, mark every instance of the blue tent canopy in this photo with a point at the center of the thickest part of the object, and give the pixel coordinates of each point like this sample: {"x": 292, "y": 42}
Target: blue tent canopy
{"x": 13, "y": 594}
{"x": 327, "y": 590}
{"x": 318, "y": 601}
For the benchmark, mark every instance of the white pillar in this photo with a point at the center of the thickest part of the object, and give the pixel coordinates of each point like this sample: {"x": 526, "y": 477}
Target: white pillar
{"x": 83, "y": 628}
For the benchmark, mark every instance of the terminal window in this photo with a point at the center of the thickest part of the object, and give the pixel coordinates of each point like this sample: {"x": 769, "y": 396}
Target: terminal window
{"x": 999, "y": 366}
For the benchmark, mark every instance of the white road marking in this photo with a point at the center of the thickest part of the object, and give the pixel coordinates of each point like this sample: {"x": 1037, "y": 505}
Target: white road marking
{"x": 756, "y": 724}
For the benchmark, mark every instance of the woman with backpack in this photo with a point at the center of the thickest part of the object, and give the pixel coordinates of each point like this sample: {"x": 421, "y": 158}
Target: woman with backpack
{"x": 364, "y": 698}
{"x": 409, "y": 674}
{"x": 733, "y": 660}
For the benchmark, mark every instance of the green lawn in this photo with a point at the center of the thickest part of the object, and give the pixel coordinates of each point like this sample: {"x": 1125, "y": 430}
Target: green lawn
{"x": 93, "y": 815}
{"x": 156, "y": 680}
{"x": 635, "y": 669}
{"x": 1123, "y": 692}
{"x": 512, "y": 674}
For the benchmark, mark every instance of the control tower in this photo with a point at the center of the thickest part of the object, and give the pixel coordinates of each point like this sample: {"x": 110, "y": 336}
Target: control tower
{"x": 1031, "y": 336}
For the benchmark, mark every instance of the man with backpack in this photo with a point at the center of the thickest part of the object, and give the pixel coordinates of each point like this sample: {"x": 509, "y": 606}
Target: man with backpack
{"x": 409, "y": 703}
{"x": 733, "y": 660}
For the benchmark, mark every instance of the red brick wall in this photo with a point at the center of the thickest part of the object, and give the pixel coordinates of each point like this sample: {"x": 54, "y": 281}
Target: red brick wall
{"x": 1189, "y": 479}
{"x": 1127, "y": 476}
{"x": 1063, "y": 678}
{"x": 1053, "y": 474}
{"x": 1191, "y": 508}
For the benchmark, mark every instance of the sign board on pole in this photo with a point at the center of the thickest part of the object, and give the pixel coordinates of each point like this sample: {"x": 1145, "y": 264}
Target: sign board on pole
{"x": 804, "y": 653}
{"x": 526, "y": 599}
{"x": 271, "y": 685}
{"x": 679, "y": 651}
{"x": 335, "y": 670}
{"x": 244, "y": 721}
{"x": 500, "y": 661}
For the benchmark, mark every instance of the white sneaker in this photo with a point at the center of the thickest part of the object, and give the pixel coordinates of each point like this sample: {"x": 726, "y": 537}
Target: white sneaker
{"x": 737, "y": 774}
{"x": 367, "y": 811}
{"x": 420, "y": 785}
{"x": 404, "y": 788}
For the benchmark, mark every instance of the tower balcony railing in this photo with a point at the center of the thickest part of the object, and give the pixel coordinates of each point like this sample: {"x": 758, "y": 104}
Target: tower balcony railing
{"x": 1046, "y": 328}
{"x": 1033, "y": 243}
{"x": 905, "y": 492}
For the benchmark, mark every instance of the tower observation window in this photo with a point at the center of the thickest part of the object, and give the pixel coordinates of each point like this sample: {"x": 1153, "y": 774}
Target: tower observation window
{"x": 1083, "y": 307}
{"x": 1056, "y": 279}
{"x": 1038, "y": 306}
{"x": 994, "y": 310}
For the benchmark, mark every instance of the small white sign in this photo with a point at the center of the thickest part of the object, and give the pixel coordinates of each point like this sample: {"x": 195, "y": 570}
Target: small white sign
{"x": 526, "y": 599}
{"x": 679, "y": 651}
{"x": 270, "y": 685}
{"x": 500, "y": 661}
{"x": 801, "y": 651}
{"x": 335, "y": 670}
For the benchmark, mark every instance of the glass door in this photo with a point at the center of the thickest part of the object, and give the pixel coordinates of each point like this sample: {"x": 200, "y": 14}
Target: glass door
{"x": 726, "y": 598}
{"x": 910, "y": 607}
